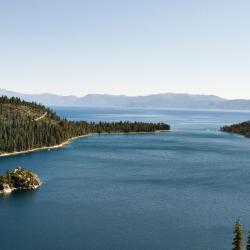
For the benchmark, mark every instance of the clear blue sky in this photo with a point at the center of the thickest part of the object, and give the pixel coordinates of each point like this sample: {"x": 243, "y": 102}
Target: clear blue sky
{"x": 132, "y": 47}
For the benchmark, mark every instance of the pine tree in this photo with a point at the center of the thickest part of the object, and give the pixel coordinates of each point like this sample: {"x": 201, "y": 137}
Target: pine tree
{"x": 248, "y": 241}
{"x": 20, "y": 131}
{"x": 238, "y": 236}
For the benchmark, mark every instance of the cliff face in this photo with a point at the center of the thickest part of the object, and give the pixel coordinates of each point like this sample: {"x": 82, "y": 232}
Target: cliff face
{"x": 19, "y": 179}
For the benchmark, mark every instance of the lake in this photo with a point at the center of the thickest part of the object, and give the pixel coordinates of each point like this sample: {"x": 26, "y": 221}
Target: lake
{"x": 173, "y": 190}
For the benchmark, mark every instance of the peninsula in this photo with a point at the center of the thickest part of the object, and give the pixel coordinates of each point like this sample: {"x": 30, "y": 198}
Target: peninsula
{"x": 28, "y": 126}
{"x": 240, "y": 128}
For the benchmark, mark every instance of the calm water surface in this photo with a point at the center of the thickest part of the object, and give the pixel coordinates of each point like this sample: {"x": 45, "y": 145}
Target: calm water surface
{"x": 177, "y": 190}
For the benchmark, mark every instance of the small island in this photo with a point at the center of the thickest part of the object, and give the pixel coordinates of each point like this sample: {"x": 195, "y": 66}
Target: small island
{"x": 19, "y": 179}
{"x": 240, "y": 128}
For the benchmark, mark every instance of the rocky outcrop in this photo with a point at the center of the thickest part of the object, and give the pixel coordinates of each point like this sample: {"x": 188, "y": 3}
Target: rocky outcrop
{"x": 19, "y": 179}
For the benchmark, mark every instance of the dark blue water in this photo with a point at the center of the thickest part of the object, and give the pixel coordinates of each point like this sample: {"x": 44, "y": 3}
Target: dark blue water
{"x": 176, "y": 190}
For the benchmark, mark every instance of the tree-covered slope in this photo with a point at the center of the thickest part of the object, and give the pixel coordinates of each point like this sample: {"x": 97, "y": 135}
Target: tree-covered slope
{"x": 27, "y": 125}
{"x": 240, "y": 128}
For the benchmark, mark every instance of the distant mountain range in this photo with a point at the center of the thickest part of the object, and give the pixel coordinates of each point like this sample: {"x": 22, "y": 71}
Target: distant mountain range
{"x": 168, "y": 100}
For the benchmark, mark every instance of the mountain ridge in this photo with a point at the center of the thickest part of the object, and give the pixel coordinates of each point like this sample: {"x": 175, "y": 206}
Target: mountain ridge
{"x": 162, "y": 100}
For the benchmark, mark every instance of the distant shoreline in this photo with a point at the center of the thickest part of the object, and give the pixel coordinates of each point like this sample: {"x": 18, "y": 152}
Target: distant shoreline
{"x": 156, "y": 101}
{"x": 72, "y": 139}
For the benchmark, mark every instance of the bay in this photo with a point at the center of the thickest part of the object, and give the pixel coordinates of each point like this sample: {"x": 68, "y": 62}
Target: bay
{"x": 175, "y": 190}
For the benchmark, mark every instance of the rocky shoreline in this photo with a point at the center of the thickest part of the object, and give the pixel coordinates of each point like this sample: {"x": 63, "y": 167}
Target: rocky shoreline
{"x": 19, "y": 179}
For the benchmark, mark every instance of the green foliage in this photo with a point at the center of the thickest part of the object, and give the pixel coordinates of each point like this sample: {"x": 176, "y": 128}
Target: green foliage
{"x": 238, "y": 236}
{"x": 19, "y": 179}
{"x": 20, "y": 130}
{"x": 248, "y": 241}
{"x": 241, "y": 129}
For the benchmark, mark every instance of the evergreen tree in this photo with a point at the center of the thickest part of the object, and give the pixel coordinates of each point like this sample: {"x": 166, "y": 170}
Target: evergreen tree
{"x": 248, "y": 241}
{"x": 238, "y": 236}
{"x": 20, "y": 129}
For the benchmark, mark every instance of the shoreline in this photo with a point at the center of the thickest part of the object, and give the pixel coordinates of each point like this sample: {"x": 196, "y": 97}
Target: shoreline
{"x": 72, "y": 139}
{"x": 43, "y": 148}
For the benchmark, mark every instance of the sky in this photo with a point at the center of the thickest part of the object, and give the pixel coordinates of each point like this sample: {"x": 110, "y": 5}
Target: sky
{"x": 132, "y": 47}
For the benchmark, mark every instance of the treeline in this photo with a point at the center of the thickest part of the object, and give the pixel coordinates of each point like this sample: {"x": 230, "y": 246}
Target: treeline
{"x": 241, "y": 129}
{"x": 19, "y": 130}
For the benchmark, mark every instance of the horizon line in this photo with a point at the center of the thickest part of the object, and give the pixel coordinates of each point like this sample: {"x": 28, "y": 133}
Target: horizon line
{"x": 125, "y": 95}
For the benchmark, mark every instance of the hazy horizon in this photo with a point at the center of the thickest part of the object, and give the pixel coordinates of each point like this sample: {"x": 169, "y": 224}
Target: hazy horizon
{"x": 79, "y": 95}
{"x": 126, "y": 47}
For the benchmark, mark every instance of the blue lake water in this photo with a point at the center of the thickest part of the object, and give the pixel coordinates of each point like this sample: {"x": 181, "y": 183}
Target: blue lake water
{"x": 176, "y": 190}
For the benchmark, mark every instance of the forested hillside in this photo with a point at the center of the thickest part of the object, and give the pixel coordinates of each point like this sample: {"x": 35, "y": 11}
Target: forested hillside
{"x": 241, "y": 129}
{"x": 27, "y": 125}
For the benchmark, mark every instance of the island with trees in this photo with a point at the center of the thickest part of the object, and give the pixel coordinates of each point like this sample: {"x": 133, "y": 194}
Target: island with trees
{"x": 19, "y": 179}
{"x": 240, "y": 128}
{"x": 28, "y": 126}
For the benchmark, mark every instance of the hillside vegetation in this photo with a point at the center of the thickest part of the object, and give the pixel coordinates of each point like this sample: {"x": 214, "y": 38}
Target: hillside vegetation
{"x": 27, "y": 125}
{"x": 240, "y": 128}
